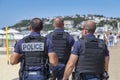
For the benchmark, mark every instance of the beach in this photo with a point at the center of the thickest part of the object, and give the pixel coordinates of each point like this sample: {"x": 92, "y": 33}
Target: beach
{"x": 9, "y": 72}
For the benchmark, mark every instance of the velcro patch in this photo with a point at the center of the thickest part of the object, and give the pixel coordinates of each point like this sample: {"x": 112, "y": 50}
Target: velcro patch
{"x": 33, "y": 46}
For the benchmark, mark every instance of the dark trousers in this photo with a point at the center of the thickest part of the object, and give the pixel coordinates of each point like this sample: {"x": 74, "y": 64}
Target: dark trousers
{"x": 58, "y": 71}
{"x": 33, "y": 75}
{"x": 89, "y": 77}
{"x": 58, "y": 74}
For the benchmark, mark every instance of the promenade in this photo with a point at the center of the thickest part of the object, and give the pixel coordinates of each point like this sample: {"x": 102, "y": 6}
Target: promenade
{"x": 9, "y": 72}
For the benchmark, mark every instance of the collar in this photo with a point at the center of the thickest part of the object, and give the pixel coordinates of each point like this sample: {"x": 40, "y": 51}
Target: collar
{"x": 59, "y": 30}
{"x": 35, "y": 33}
{"x": 89, "y": 36}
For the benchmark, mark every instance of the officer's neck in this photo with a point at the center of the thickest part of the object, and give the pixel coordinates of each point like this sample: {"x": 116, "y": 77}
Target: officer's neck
{"x": 60, "y": 27}
{"x": 35, "y": 31}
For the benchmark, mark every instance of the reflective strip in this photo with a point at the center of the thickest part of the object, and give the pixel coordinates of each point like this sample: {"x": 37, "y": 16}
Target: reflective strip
{"x": 32, "y": 73}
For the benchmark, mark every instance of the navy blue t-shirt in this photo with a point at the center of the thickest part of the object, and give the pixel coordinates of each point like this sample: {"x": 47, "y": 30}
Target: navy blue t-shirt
{"x": 61, "y": 65}
{"x": 77, "y": 46}
{"x": 18, "y": 45}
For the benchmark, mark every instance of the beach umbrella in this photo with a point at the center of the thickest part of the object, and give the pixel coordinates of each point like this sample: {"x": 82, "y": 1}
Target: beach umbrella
{"x": 2, "y": 31}
{"x": 13, "y": 31}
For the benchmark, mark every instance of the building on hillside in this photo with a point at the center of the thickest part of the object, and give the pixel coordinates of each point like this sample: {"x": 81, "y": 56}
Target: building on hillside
{"x": 105, "y": 28}
{"x": 68, "y": 23}
{"x": 118, "y": 25}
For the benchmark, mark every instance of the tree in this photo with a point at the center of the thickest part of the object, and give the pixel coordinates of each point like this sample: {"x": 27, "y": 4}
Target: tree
{"x": 22, "y": 23}
{"x": 48, "y": 27}
{"x": 101, "y": 23}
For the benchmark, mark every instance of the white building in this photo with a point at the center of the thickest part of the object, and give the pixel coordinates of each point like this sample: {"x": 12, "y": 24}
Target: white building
{"x": 105, "y": 28}
{"x": 118, "y": 27}
{"x": 68, "y": 23}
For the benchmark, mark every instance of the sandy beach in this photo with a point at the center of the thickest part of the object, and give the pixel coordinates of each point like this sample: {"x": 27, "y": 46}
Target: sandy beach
{"x": 9, "y": 72}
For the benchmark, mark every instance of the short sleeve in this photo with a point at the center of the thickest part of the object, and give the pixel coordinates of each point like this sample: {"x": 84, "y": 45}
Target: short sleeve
{"x": 76, "y": 48}
{"x": 71, "y": 40}
{"x": 106, "y": 51}
{"x": 17, "y": 47}
{"x": 49, "y": 46}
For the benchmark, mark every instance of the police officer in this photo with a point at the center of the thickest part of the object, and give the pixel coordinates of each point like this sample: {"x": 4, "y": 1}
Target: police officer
{"x": 32, "y": 52}
{"x": 90, "y": 55}
{"x": 62, "y": 42}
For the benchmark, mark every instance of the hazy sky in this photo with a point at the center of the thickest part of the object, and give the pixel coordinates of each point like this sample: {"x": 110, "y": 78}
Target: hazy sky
{"x": 12, "y": 11}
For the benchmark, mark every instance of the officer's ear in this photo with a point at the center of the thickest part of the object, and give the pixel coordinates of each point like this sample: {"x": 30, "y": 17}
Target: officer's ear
{"x": 41, "y": 27}
{"x": 62, "y": 24}
{"x": 86, "y": 31}
{"x": 53, "y": 24}
{"x": 30, "y": 27}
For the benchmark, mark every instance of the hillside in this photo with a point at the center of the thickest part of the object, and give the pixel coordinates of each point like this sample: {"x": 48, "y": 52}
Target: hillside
{"x": 99, "y": 19}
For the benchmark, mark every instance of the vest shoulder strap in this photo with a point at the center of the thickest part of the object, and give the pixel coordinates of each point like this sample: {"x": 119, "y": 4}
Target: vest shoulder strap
{"x": 83, "y": 41}
{"x": 27, "y": 39}
{"x": 65, "y": 35}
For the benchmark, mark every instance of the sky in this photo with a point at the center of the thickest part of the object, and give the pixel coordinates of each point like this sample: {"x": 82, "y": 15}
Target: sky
{"x": 13, "y": 11}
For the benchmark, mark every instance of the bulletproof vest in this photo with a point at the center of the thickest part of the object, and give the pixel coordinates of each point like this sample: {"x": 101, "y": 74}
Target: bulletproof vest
{"x": 34, "y": 52}
{"x": 61, "y": 45}
{"x": 92, "y": 58}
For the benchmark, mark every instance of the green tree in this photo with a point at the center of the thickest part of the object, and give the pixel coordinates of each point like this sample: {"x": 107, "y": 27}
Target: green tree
{"x": 48, "y": 27}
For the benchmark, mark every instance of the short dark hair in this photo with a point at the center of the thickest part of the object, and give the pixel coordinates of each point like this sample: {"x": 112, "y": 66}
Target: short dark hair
{"x": 36, "y": 24}
{"x": 58, "y": 21}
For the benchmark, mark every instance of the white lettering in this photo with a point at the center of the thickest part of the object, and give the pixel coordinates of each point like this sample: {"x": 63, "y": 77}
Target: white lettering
{"x": 33, "y": 46}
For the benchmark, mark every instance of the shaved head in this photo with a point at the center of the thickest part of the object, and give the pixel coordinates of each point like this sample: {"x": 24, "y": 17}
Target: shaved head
{"x": 58, "y": 22}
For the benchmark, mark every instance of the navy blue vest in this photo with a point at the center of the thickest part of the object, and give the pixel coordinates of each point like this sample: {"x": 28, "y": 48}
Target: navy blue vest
{"x": 34, "y": 54}
{"x": 61, "y": 45}
{"x": 92, "y": 57}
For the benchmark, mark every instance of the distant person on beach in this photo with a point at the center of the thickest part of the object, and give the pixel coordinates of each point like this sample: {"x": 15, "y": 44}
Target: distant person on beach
{"x": 90, "y": 56}
{"x": 33, "y": 52}
{"x": 111, "y": 40}
{"x": 115, "y": 39}
{"x": 98, "y": 36}
{"x": 103, "y": 37}
{"x": 63, "y": 43}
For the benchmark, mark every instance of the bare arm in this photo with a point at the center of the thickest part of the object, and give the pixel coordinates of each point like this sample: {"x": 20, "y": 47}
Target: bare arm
{"x": 107, "y": 63}
{"x": 70, "y": 65}
{"x": 53, "y": 59}
{"x": 14, "y": 58}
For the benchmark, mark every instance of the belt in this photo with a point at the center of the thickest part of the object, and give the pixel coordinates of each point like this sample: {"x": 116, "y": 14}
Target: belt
{"x": 92, "y": 75}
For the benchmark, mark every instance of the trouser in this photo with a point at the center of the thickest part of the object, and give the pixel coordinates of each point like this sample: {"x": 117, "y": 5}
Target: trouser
{"x": 58, "y": 72}
{"x": 33, "y": 75}
{"x": 110, "y": 43}
{"x": 90, "y": 77}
